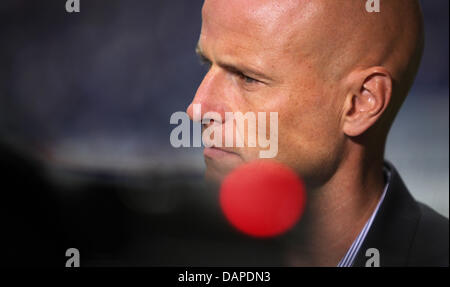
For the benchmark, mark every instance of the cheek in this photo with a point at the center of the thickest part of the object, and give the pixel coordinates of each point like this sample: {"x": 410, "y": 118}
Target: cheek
{"x": 309, "y": 138}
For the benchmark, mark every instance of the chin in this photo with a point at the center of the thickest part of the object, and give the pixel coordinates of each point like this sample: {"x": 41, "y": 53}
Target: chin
{"x": 217, "y": 170}
{"x": 213, "y": 177}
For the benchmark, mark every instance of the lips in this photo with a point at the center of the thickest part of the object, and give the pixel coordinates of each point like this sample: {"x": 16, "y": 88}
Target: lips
{"x": 214, "y": 152}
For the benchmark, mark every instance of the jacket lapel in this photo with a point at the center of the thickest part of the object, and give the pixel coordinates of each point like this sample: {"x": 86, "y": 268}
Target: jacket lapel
{"x": 394, "y": 226}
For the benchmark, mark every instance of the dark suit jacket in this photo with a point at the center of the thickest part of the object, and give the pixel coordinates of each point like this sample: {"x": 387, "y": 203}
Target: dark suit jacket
{"x": 406, "y": 232}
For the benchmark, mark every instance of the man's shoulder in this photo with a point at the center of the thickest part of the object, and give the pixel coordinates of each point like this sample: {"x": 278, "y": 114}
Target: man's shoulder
{"x": 405, "y": 231}
{"x": 431, "y": 241}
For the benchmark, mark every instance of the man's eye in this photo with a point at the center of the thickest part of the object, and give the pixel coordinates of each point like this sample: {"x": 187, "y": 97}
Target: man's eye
{"x": 248, "y": 80}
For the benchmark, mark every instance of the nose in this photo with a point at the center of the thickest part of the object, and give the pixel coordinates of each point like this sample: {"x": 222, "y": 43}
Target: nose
{"x": 210, "y": 95}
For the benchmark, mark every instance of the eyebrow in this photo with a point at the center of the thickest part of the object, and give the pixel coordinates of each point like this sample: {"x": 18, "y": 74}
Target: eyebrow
{"x": 235, "y": 69}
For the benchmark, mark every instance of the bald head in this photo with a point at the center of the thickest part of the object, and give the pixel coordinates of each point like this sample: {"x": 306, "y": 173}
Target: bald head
{"x": 356, "y": 39}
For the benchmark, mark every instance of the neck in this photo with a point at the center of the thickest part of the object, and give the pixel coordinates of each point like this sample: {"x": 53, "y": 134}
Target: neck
{"x": 337, "y": 211}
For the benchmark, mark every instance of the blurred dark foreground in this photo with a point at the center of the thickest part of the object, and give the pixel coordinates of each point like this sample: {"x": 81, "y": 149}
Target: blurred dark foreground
{"x": 149, "y": 220}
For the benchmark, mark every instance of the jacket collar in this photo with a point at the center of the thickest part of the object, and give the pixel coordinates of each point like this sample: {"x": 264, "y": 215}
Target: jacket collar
{"x": 394, "y": 226}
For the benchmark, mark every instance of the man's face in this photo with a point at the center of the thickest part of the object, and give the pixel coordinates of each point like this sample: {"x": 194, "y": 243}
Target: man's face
{"x": 264, "y": 57}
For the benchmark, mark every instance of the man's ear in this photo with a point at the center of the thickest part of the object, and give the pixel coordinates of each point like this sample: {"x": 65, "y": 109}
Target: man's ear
{"x": 369, "y": 95}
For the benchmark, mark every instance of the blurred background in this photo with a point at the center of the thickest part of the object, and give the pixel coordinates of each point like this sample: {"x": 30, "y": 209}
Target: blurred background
{"x": 89, "y": 96}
